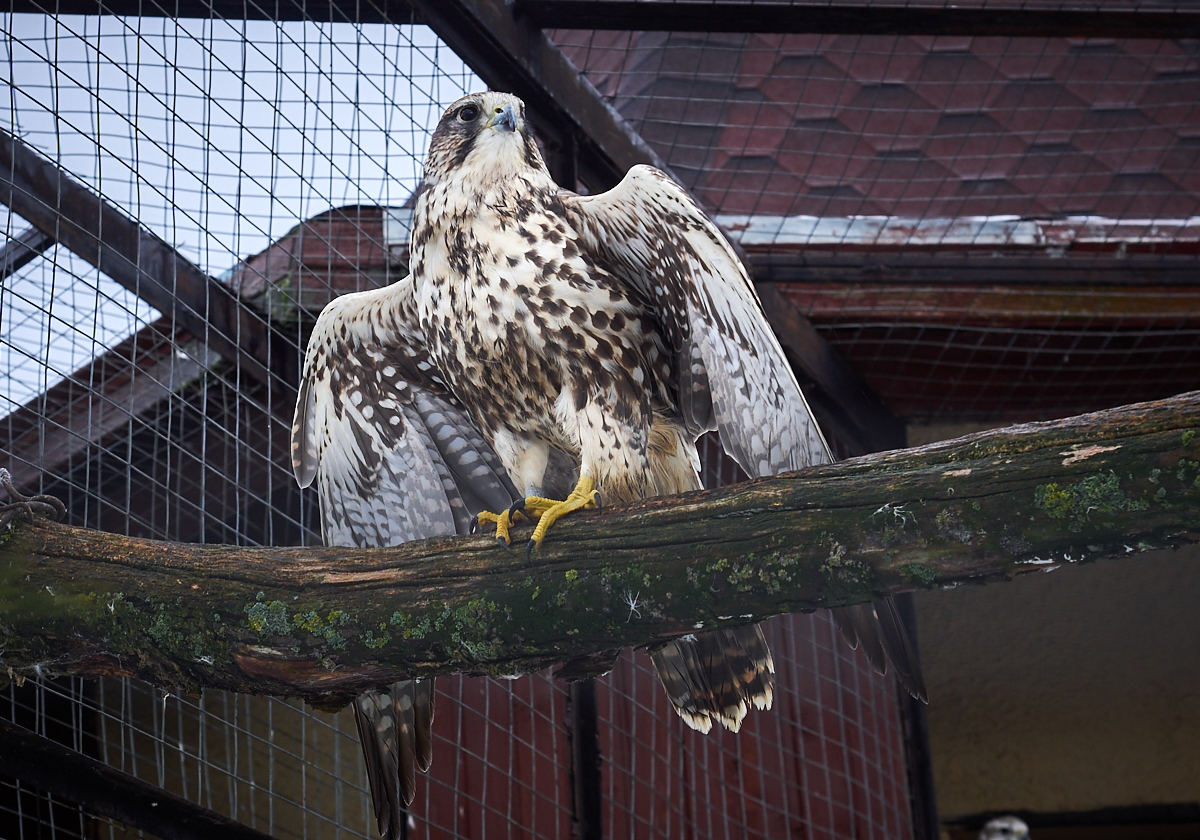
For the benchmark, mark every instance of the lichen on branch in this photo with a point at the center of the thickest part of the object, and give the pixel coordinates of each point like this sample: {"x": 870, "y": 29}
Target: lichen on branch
{"x": 325, "y": 623}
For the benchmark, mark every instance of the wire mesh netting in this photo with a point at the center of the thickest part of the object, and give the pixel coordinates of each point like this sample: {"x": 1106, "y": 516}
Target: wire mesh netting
{"x": 268, "y": 163}
{"x": 217, "y": 138}
{"x": 988, "y": 228}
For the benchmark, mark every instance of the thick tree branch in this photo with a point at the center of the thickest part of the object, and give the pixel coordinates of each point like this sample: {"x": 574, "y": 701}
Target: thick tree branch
{"x": 325, "y": 623}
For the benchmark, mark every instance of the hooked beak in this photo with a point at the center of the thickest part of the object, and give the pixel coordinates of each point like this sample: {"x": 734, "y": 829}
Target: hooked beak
{"x": 504, "y": 119}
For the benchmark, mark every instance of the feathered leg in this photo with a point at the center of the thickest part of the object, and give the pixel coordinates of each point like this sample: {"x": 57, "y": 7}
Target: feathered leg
{"x": 395, "y": 730}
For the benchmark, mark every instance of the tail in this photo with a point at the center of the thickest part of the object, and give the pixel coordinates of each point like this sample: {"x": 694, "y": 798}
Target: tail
{"x": 717, "y": 675}
{"x": 878, "y": 627}
{"x": 394, "y": 728}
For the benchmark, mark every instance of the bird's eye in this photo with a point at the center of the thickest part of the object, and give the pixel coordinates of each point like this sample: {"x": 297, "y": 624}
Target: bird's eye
{"x": 468, "y": 113}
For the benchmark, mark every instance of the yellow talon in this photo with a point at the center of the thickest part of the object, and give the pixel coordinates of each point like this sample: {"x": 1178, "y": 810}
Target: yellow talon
{"x": 548, "y": 511}
{"x": 545, "y": 511}
{"x": 503, "y": 521}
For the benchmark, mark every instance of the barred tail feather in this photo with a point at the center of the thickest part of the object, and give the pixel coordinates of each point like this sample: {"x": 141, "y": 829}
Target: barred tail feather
{"x": 717, "y": 675}
{"x": 395, "y": 730}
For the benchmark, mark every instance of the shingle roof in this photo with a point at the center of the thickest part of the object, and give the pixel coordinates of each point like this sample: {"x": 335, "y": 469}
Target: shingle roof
{"x": 910, "y": 126}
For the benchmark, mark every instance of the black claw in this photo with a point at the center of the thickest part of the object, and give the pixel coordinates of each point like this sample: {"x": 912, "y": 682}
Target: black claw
{"x": 516, "y": 507}
{"x": 529, "y": 547}
{"x": 596, "y": 498}
{"x": 504, "y": 543}
{"x": 474, "y": 527}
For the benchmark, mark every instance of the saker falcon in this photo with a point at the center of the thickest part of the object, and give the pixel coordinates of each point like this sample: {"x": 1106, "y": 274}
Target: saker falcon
{"x": 567, "y": 347}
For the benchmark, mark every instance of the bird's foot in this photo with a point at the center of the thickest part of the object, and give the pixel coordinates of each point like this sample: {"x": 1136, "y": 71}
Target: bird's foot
{"x": 549, "y": 511}
{"x": 503, "y": 521}
{"x": 545, "y": 511}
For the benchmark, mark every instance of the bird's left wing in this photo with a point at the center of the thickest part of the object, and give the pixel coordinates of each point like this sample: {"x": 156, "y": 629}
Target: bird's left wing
{"x": 733, "y": 376}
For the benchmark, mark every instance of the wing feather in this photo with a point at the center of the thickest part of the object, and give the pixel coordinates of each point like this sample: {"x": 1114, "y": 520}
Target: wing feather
{"x": 395, "y": 455}
{"x": 733, "y": 376}
{"x": 396, "y": 458}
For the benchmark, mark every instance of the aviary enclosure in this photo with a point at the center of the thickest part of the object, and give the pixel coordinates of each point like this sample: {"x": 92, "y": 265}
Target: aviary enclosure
{"x": 979, "y": 215}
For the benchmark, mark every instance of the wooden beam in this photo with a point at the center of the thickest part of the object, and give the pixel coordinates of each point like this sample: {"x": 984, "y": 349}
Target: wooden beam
{"x": 96, "y": 231}
{"x": 858, "y": 19}
{"x": 510, "y": 52}
{"x": 99, "y": 789}
{"x": 843, "y": 400}
{"x": 326, "y": 623}
{"x": 47, "y": 433}
{"x": 955, "y": 267}
{"x": 23, "y": 249}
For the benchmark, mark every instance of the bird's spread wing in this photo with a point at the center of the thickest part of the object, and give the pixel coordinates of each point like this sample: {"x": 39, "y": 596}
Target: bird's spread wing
{"x": 396, "y": 458}
{"x": 733, "y": 376}
{"x": 397, "y": 455}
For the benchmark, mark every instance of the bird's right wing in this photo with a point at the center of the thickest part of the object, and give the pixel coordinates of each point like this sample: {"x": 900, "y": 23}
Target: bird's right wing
{"x": 395, "y": 458}
{"x": 394, "y": 454}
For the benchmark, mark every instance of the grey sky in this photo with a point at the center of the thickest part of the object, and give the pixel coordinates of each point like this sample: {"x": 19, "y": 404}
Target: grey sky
{"x": 219, "y": 136}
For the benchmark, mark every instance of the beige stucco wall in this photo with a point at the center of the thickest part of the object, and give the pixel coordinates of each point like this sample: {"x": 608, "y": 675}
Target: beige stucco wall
{"x": 1067, "y": 691}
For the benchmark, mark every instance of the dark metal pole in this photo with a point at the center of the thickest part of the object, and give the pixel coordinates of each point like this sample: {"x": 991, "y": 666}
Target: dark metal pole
{"x": 583, "y": 737}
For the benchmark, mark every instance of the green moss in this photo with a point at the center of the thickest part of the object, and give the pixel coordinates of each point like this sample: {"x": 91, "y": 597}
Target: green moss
{"x": 919, "y": 574}
{"x": 1096, "y": 494}
{"x": 309, "y": 622}
{"x": 1184, "y": 466}
{"x": 376, "y": 642}
{"x": 1055, "y": 501}
{"x": 848, "y": 579}
{"x": 572, "y": 575}
{"x": 409, "y": 628}
{"x": 1189, "y": 436}
{"x": 472, "y": 628}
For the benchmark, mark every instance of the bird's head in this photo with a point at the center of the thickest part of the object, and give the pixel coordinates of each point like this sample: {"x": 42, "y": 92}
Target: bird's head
{"x": 483, "y": 135}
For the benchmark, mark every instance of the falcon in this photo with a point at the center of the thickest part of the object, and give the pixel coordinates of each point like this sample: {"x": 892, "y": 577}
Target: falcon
{"x": 547, "y": 351}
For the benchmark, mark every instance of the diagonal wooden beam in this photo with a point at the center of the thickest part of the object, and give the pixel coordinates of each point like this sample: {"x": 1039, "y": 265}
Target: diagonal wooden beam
{"x": 511, "y": 52}
{"x": 23, "y": 249}
{"x": 76, "y": 778}
{"x": 81, "y": 220}
{"x": 845, "y": 403}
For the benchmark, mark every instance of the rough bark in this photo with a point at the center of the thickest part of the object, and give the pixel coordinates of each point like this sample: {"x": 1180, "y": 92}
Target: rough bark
{"x": 327, "y": 623}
